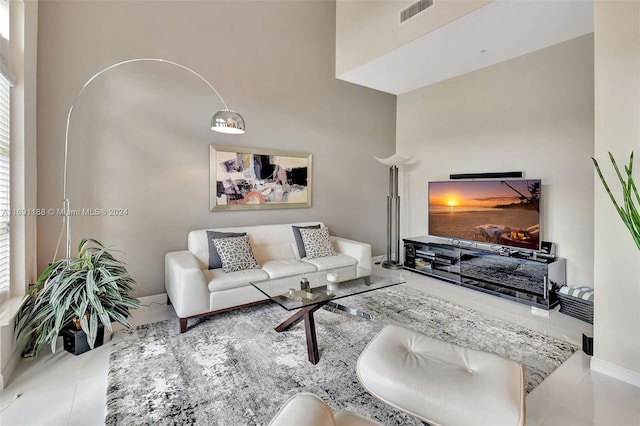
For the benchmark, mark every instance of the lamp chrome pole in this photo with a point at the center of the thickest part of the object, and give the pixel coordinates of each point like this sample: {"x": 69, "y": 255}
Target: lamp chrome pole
{"x": 393, "y": 221}
{"x": 223, "y": 121}
{"x": 393, "y": 212}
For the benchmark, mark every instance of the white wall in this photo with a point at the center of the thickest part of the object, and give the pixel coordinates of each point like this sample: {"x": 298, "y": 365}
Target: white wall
{"x": 532, "y": 114}
{"x": 139, "y": 137}
{"x": 24, "y": 52}
{"x": 23, "y": 38}
{"x": 366, "y": 30}
{"x": 617, "y": 129}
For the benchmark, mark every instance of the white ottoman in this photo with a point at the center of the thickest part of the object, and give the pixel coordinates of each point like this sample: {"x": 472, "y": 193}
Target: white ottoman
{"x": 442, "y": 383}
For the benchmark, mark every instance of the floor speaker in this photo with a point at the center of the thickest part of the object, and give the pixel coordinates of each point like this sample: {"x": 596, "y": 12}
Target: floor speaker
{"x": 587, "y": 344}
{"x": 409, "y": 250}
{"x": 548, "y": 248}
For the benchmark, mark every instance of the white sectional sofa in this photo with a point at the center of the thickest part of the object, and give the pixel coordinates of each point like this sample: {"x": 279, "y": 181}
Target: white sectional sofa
{"x": 194, "y": 290}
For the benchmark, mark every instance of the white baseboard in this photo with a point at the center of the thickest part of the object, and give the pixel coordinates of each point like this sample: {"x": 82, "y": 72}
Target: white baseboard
{"x": 615, "y": 371}
{"x": 377, "y": 259}
{"x": 147, "y": 301}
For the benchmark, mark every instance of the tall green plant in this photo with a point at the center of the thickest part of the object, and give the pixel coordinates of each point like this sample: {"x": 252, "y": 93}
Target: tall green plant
{"x": 94, "y": 287}
{"x": 630, "y": 206}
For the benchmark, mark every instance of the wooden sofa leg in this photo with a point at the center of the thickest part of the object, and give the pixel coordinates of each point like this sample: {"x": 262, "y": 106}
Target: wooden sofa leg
{"x": 168, "y": 300}
{"x": 183, "y": 325}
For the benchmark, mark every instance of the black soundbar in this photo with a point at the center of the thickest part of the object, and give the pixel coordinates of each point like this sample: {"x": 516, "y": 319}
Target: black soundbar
{"x": 486, "y": 175}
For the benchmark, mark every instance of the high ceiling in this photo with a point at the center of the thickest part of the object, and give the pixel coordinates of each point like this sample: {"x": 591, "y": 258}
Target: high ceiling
{"x": 497, "y": 32}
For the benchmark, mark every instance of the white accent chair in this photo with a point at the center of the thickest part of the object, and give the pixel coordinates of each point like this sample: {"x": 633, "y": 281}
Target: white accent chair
{"x": 441, "y": 383}
{"x": 306, "y": 409}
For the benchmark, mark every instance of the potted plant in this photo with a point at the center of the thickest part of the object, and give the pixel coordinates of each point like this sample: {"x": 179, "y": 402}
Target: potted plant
{"x": 629, "y": 210}
{"x": 87, "y": 293}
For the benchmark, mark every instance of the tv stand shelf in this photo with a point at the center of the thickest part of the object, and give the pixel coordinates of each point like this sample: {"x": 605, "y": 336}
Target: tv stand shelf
{"x": 517, "y": 275}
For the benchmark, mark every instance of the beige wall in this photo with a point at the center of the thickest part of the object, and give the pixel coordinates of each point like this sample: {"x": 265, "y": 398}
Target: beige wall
{"x": 532, "y": 114}
{"x": 139, "y": 137}
{"x": 617, "y": 129}
{"x": 366, "y": 30}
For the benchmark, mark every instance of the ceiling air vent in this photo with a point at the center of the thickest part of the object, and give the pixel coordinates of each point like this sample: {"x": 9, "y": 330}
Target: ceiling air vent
{"x": 414, "y": 9}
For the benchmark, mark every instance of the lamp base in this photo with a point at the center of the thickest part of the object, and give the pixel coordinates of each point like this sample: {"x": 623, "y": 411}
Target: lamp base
{"x": 389, "y": 264}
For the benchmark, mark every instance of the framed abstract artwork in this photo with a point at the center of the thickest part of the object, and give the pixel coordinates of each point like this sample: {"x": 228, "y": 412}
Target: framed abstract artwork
{"x": 251, "y": 178}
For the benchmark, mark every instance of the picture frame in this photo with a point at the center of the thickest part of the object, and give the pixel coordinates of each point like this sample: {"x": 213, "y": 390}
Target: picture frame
{"x": 243, "y": 178}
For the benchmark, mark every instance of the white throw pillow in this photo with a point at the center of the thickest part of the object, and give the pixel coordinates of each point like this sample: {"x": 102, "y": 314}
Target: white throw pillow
{"x": 236, "y": 253}
{"x": 317, "y": 242}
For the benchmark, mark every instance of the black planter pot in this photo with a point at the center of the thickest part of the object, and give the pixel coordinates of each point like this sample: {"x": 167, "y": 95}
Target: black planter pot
{"x": 75, "y": 341}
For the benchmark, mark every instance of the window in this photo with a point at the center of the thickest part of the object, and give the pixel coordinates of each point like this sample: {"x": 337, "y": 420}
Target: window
{"x": 5, "y": 205}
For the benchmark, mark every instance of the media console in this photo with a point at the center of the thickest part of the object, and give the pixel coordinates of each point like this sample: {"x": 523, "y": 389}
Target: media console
{"x": 518, "y": 275}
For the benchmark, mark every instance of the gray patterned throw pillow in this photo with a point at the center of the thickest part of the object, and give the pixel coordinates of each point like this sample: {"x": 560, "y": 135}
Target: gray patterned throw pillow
{"x": 301, "y": 252}
{"x": 317, "y": 242}
{"x": 214, "y": 258}
{"x": 235, "y": 253}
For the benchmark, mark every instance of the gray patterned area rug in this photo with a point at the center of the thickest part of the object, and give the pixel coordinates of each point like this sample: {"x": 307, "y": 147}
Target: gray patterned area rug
{"x": 234, "y": 369}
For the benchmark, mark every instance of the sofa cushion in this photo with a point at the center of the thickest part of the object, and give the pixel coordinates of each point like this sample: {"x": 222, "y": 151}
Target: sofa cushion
{"x": 332, "y": 262}
{"x": 299, "y": 244}
{"x": 317, "y": 243}
{"x": 214, "y": 258}
{"x": 235, "y": 253}
{"x": 287, "y": 267}
{"x": 218, "y": 280}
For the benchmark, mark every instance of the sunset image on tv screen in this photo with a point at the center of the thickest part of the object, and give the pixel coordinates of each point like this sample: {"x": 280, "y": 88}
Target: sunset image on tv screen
{"x": 505, "y": 212}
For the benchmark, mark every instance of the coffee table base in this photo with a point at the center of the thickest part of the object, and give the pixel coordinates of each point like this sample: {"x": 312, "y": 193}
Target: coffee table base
{"x": 337, "y": 308}
{"x": 306, "y": 314}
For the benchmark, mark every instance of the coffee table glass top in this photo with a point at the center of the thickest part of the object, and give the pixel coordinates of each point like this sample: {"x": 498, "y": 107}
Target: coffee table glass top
{"x": 290, "y": 292}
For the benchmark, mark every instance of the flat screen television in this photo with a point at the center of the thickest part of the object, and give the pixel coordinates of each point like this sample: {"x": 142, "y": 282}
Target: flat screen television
{"x": 503, "y": 212}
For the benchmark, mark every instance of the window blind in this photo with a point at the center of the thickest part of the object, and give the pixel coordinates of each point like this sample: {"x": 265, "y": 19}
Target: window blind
{"x": 5, "y": 205}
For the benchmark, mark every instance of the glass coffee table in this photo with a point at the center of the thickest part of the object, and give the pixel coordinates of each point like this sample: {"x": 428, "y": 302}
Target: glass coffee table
{"x": 309, "y": 292}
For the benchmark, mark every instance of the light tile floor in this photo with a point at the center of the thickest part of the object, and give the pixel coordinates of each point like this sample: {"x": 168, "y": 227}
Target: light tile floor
{"x": 62, "y": 389}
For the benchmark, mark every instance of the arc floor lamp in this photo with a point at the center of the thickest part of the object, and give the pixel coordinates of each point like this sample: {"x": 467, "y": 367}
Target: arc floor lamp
{"x": 393, "y": 211}
{"x": 223, "y": 121}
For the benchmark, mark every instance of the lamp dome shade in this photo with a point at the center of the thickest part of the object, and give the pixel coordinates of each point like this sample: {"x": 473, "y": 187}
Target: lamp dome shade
{"x": 227, "y": 121}
{"x": 394, "y": 160}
